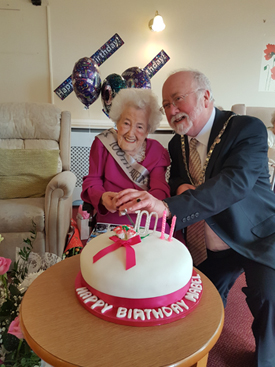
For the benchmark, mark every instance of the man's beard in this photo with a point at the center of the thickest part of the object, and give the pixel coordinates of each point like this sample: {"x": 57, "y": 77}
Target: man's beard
{"x": 183, "y": 126}
{"x": 185, "y": 121}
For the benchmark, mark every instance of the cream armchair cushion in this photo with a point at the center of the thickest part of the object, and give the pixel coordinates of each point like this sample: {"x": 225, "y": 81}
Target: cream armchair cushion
{"x": 37, "y": 127}
{"x": 26, "y": 172}
{"x": 263, "y": 113}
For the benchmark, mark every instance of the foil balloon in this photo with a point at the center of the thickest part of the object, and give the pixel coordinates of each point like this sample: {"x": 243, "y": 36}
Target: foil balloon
{"x": 110, "y": 87}
{"x": 136, "y": 78}
{"x": 86, "y": 81}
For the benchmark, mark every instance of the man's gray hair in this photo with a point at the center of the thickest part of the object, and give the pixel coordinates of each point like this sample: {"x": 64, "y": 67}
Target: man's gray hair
{"x": 200, "y": 79}
{"x": 138, "y": 98}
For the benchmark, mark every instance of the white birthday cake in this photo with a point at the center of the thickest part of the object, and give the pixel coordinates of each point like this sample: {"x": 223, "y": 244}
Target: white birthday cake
{"x": 138, "y": 279}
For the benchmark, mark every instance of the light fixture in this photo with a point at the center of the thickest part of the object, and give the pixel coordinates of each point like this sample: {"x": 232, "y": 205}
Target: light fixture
{"x": 157, "y": 24}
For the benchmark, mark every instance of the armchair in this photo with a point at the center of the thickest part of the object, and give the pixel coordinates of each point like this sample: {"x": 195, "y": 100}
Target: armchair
{"x": 265, "y": 114}
{"x": 35, "y": 179}
{"x": 262, "y": 113}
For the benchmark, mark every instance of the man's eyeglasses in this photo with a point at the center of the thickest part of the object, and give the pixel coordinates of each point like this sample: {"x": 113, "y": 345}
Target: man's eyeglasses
{"x": 177, "y": 101}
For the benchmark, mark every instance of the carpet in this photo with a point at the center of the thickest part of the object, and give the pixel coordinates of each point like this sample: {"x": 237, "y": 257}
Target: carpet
{"x": 236, "y": 345}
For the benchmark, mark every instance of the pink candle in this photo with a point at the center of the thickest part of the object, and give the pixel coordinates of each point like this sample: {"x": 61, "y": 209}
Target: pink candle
{"x": 172, "y": 228}
{"x": 163, "y": 225}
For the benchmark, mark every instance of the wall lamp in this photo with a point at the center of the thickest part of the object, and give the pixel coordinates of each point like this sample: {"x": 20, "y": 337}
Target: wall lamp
{"x": 157, "y": 24}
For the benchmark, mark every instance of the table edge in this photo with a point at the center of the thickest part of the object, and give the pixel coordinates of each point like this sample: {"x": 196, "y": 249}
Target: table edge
{"x": 188, "y": 361}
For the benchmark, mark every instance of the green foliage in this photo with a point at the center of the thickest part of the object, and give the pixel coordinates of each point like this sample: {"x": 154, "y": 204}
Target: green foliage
{"x": 15, "y": 352}
{"x": 10, "y": 342}
{"x": 18, "y": 273}
{"x": 22, "y": 356}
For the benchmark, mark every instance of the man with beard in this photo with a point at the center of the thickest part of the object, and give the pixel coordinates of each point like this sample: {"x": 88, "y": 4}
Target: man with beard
{"x": 221, "y": 197}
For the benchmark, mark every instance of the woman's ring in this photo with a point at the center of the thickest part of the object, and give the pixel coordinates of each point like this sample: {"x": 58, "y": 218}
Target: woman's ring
{"x": 138, "y": 200}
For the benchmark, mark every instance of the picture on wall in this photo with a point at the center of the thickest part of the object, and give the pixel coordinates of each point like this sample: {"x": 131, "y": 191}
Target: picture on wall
{"x": 267, "y": 73}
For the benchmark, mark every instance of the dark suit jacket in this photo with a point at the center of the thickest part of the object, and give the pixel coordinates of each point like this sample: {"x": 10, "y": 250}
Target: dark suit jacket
{"x": 235, "y": 200}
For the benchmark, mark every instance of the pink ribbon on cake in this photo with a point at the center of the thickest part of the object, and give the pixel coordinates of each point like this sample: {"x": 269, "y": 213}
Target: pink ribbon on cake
{"x": 130, "y": 252}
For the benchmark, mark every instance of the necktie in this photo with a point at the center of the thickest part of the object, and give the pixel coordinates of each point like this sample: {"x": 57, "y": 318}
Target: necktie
{"x": 195, "y": 236}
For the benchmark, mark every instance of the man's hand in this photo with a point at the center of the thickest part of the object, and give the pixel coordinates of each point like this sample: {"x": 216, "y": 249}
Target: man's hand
{"x": 134, "y": 200}
{"x": 184, "y": 187}
{"x": 108, "y": 199}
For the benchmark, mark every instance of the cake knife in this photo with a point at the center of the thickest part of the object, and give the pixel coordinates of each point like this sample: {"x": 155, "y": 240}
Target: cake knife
{"x": 124, "y": 212}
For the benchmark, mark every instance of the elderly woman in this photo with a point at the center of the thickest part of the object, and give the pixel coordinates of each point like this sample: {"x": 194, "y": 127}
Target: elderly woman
{"x": 125, "y": 158}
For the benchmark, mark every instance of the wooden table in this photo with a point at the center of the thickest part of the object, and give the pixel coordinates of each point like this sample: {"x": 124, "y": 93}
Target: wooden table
{"x": 63, "y": 333}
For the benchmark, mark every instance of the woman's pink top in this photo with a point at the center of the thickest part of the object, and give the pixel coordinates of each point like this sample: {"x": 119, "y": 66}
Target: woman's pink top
{"x": 106, "y": 175}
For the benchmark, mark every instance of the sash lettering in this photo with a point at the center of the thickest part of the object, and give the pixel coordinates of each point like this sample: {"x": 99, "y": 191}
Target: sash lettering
{"x": 135, "y": 171}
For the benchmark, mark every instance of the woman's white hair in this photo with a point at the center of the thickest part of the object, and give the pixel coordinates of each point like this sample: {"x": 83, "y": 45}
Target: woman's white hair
{"x": 138, "y": 98}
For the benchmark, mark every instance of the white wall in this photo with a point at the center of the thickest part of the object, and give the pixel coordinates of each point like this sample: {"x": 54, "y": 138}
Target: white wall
{"x": 24, "y": 72}
{"x": 39, "y": 46}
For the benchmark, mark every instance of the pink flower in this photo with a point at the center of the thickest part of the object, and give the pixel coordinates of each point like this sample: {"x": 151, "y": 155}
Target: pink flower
{"x": 4, "y": 265}
{"x": 269, "y": 51}
{"x": 273, "y": 73}
{"x": 15, "y": 329}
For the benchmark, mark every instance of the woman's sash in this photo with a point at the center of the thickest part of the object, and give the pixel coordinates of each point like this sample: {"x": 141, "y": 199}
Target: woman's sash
{"x": 135, "y": 171}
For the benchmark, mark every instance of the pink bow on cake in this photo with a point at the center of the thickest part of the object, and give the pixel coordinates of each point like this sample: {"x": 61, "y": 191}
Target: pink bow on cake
{"x": 130, "y": 252}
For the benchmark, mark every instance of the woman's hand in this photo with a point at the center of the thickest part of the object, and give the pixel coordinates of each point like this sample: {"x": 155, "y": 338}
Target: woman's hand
{"x": 108, "y": 199}
{"x": 133, "y": 200}
{"x": 184, "y": 187}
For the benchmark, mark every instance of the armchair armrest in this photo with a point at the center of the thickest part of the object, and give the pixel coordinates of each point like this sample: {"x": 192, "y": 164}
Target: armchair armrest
{"x": 58, "y": 210}
{"x": 64, "y": 182}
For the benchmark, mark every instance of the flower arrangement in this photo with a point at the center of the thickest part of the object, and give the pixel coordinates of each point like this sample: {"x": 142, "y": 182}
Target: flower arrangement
{"x": 14, "y": 350}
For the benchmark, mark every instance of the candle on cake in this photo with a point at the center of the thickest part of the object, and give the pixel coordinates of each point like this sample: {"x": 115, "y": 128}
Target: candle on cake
{"x": 163, "y": 225}
{"x": 172, "y": 228}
